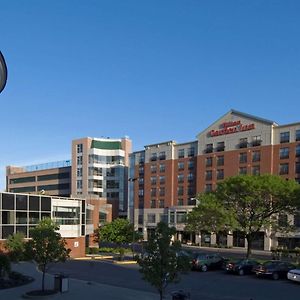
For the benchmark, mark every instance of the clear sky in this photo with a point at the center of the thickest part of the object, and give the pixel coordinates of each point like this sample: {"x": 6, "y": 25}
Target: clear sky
{"x": 153, "y": 70}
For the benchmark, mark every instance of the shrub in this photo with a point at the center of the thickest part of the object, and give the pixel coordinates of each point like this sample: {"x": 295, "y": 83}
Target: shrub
{"x": 4, "y": 265}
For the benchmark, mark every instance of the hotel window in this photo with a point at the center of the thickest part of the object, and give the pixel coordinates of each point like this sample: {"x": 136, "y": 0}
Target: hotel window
{"x": 208, "y": 175}
{"x": 161, "y": 203}
{"x": 181, "y": 153}
{"x": 162, "y": 155}
{"x": 181, "y": 217}
{"x": 141, "y": 181}
{"x": 190, "y": 177}
{"x": 141, "y": 192}
{"x": 180, "y": 191}
{"x": 162, "y": 179}
{"x": 220, "y": 174}
{"x": 180, "y": 165}
{"x": 220, "y": 146}
{"x": 141, "y": 170}
{"x": 255, "y": 156}
{"x": 153, "y": 168}
{"x": 285, "y": 137}
{"x": 220, "y": 160}
{"x": 255, "y": 170}
{"x": 191, "y": 191}
{"x": 79, "y": 160}
{"x": 209, "y": 148}
{"x": 153, "y": 192}
{"x": 151, "y": 218}
{"x": 191, "y": 152}
{"x": 153, "y": 157}
{"x": 180, "y": 178}
{"x": 79, "y": 148}
{"x": 79, "y": 184}
{"x": 243, "y": 157}
{"x": 243, "y": 170}
{"x": 153, "y": 180}
{"x": 180, "y": 202}
{"x": 208, "y": 188}
{"x": 191, "y": 164}
{"x": 283, "y": 169}
{"x": 153, "y": 204}
{"x": 162, "y": 168}
{"x": 256, "y": 140}
{"x": 243, "y": 143}
{"x": 208, "y": 162}
{"x": 162, "y": 191}
{"x": 298, "y": 150}
{"x": 284, "y": 153}
{"x": 163, "y": 218}
{"x": 297, "y": 168}
{"x": 172, "y": 217}
{"x": 297, "y": 135}
{"x": 79, "y": 172}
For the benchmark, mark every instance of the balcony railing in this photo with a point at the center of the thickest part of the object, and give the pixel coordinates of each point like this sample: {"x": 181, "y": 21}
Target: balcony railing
{"x": 243, "y": 144}
{"x": 256, "y": 143}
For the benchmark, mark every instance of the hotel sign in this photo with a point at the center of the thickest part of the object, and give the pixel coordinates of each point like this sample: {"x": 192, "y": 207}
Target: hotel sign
{"x": 231, "y": 127}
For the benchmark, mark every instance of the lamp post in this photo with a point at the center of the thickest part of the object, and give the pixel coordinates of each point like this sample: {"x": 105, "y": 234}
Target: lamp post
{"x": 3, "y": 72}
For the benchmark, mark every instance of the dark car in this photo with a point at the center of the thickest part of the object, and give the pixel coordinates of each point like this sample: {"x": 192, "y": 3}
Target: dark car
{"x": 207, "y": 261}
{"x": 274, "y": 268}
{"x": 241, "y": 267}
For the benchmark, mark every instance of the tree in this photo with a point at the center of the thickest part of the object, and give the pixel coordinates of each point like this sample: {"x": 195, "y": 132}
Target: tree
{"x": 161, "y": 263}
{"x": 15, "y": 244}
{"x": 46, "y": 245}
{"x": 252, "y": 203}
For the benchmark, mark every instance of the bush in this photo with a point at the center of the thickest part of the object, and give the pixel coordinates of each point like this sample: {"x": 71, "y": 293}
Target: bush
{"x": 93, "y": 250}
{"x": 4, "y": 265}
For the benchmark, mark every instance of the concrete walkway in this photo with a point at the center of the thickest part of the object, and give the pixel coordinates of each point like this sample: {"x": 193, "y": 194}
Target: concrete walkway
{"x": 77, "y": 289}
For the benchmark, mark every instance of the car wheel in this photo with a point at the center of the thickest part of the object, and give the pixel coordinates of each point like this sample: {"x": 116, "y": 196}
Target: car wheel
{"x": 241, "y": 272}
{"x": 204, "y": 268}
{"x": 275, "y": 276}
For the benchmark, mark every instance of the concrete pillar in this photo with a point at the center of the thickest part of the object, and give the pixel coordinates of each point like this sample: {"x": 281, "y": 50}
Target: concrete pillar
{"x": 198, "y": 239}
{"x": 229, "y": 240}
{"x": 213, "y": 239}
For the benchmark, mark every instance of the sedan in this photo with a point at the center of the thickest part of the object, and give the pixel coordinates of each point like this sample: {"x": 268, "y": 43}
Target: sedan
{"x": 294, "y": 275}
{"x": 206, "y": 261}
{"x": 274, "y": 268}
{"x": 241, "y": 267}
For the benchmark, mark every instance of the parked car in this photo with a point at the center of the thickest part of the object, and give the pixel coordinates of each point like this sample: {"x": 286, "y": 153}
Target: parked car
{"x": 207, "y": 261}
{"x": 294, "y": 275}
{"x": 241, "y": 267}
{"x": 274, "y": 268}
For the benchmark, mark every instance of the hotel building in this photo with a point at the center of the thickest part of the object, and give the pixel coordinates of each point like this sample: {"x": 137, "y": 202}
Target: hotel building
{"x": 166, "y": 177}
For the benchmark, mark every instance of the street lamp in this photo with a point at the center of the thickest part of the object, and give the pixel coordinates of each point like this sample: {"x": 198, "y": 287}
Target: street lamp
{"x": 3, "y": 72}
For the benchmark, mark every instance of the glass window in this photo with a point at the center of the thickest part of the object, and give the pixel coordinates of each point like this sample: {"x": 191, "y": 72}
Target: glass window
{"x": 172, "y": 217}
{"x": 151, "y": 218}
{"x": 21, "y": 217}
{"x": 297, "y": 220}
{"x": 285, "y": 137}
{"x": 298, "y": 150}
{"x": 162, "y": 179}
{"x": 243, "y": 157}
{"x": 180, "y": 190}
{"x": 255, "y": 170}
{"x": 79, "y": 160}
{"x": 180, "y": 165}
{"x": 141, "y": 170}
{"x": 180, "y": 202}
{"x": 181, "y": 217}
{"x": 141, "y": 219}
{"x": 190, "y": 177}
{"x": 79, "y": 148}
{"x": 163, "y": 218}
{"x": 180, "y": 178}
{"x": 162, "y": 191}
{"x": 21, "y": 202}
{"x": 208, "y": 187}
{"x": 208, "y": 175}
{"x": 256, "y": 140}
{"x": 153, "y": 157}
{"x": 284, "y": 169}
{"x": 141, "y": 192}
{"x": 8, "y": 217}
{"x": 153, "y": 192}
{"x": 161, "y": 203}
{"x": 153, "y": 203}
{"x": 64, "y": 215}
{"x": 220, "y": 146}
{"x": 191, "y": 152}
{"x": 220, "y": 160}
{"x": 153, "y": 180}
{"x": 243, "y": 170}
{"x": 255, "y": 156}
{"x": 243, "y": 143}
{"x": 191, "y": 191}
{"x": 22, "y": 180}
{"x": 34, "y": 203}
{"x": 180, "y": 153}
{"x": 297, "y": 167}
{"x": 162, "y": 155}
{"x": 8, "y": 201}
{"x": 209, "y": 148}
{"x": 46, "y": 203}
{"x": 34, "y": 217}
{"x": 191, "y": 164}
{"x": 220, "y": 174}
{"x": 79, "y": 172}
{"x": 297, "y": 137}
{"x": 153, "y": 168}
{"x": 208, "y": 161}
{"x": 284, "y": 152}
{"x": 162, "y": 168}
{"x": 141, "y": 180}
{"x": 7, "y": 231}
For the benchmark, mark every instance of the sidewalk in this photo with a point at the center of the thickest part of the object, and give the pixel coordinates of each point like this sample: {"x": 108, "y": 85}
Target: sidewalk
{"x": 77, "y": 289}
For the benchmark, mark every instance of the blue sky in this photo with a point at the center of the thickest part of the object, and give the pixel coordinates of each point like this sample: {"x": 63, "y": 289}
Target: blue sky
{"x": 152, "y": 70}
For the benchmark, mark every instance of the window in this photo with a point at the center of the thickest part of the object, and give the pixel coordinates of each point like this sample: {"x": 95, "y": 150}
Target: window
{"x": 141, "y": 192}
{"x": 162, "y": 168}
{"x": 256, "y": 141}
{"x": 220, "y": 160}
{"x": 79, "y": 148}
{"x": 172, "y": 217}
{"x": 285, "y": 137}
{"x": 22, "y": 180}
{"x": 180, "y": 191}
{"x": 153, "y": 192}
{"x": 243, "y": 143}
{"x": 162, "y": 155}
{"x": 208, "y": 187}
{"x": 220, "y": 146}
{"x": 153, "y": 203}
{"x": 153, "y": 180}
{"x": 208, "y": 162}
{"x": 297, "y": 135}
{"x": 191, "y": 191}
{"x": 220, "y": 174}
{"x": 243, "y": 170}
{"x": 181, "y": 153}
{"x": 191, "y": 152}
{"x": 79, "y": 184}
{"x": 190, "y": 177}
{"x": 208, "y": 175}
{"x": 255, "y": 170}
{"x": 162, "y": 179}
{"x": 209, "y": 148}
{"x": 141, "y": 170}
{"x": 79, "y": 172}
{"x": 180, "y": 165}
{"x": 298, "y": 150}
{"x": 64, "y": 215}
{"x": 161, "y": 203}
{"x": 243, "y": 157}
{"x": 153, "y": 157}
{"x": 140, "y": 219}
{"x": 79, "y": 160}
{"x": 180, "y": 202}
{"x": 21, "y": 202}
{"x": 141, "y": 180}
{"x": 162, "y": 191}
{"x": 191, "y": 164}
{"x": 153, "y": 168}
{"x": 151, "y": 218}
{"x": 163, "y": 218}
{"x": 297, "y": 220}
{"x": 284, "y": 152}
{"x": 180, "y": 178}
{"x": 297, "y": 168}
{"x": 283, "y": 169}
{"x": 181, "y": 217}
{"x": 255, "y": 156}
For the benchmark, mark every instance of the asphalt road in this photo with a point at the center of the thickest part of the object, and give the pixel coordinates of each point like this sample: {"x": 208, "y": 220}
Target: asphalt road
{"x": 212, "y": 285}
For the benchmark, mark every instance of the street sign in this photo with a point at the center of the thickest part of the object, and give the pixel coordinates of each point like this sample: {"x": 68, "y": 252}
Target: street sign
{"x": 3, "y": 72}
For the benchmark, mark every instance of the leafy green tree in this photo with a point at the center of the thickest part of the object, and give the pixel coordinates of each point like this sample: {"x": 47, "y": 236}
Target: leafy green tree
{"x": 162, "y": 263}
{"x": 252, "y": 203}
{"x": 15, "y": 244}
{"x": 46, "y": 246}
